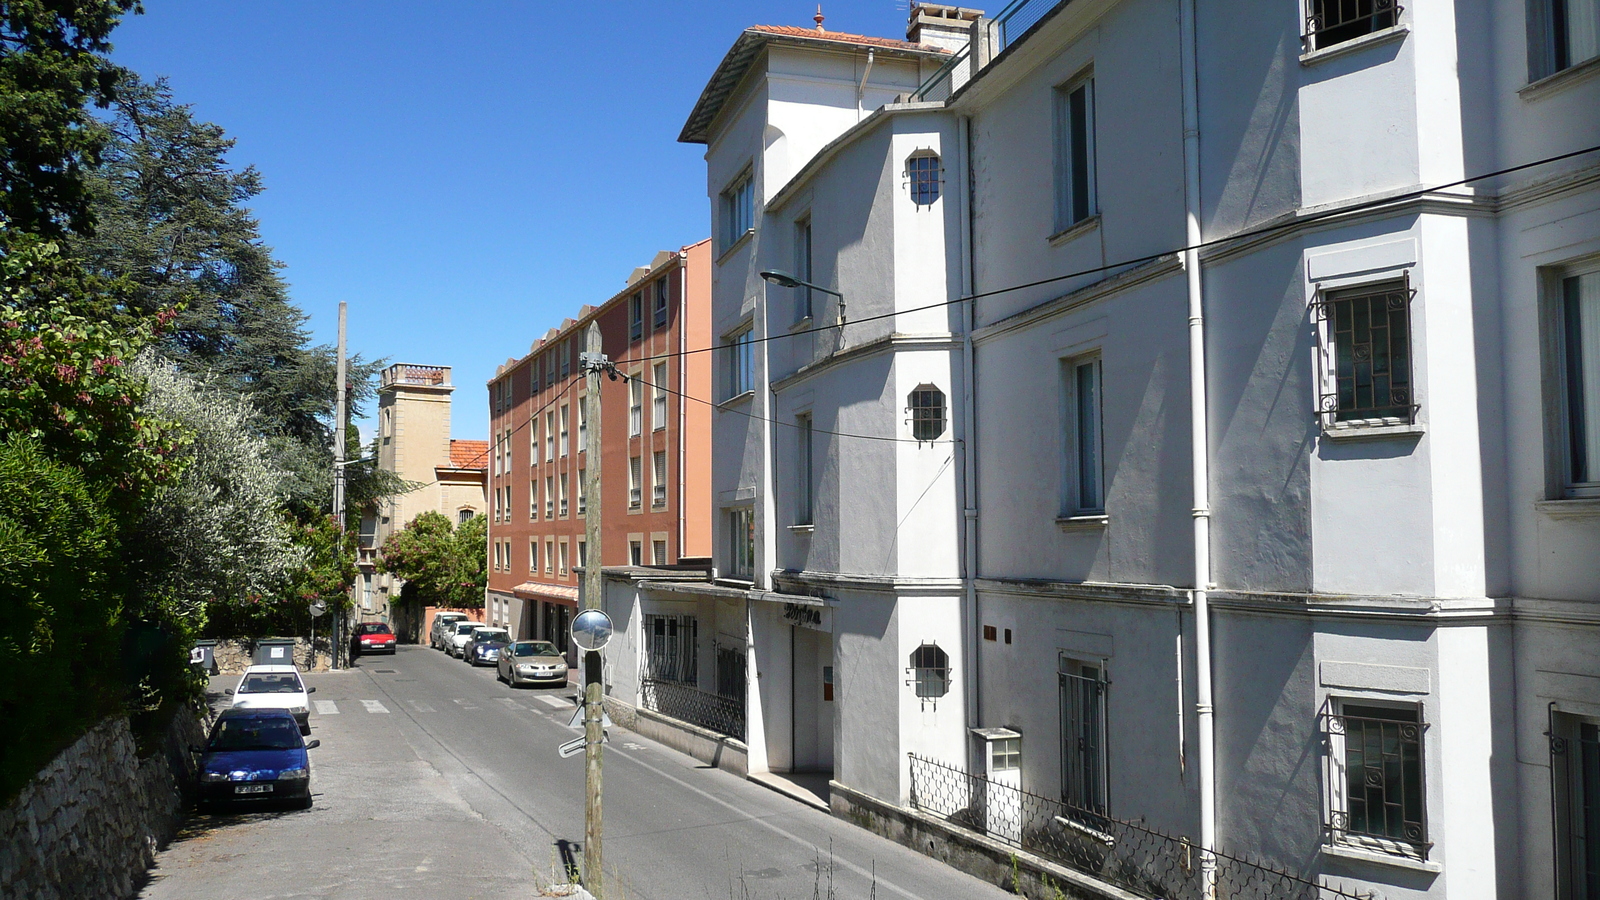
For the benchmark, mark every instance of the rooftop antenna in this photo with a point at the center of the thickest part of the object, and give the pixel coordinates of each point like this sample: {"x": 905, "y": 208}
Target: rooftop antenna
{"x": 818, "y": 17}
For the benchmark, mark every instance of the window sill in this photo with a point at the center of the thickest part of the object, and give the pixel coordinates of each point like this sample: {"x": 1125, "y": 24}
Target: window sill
{"x": 1575, "y": 508}
{"x": 1551, "y": 84}
{"x": 803, "y": 322}
{"x": 802, "y": 529}
{"x": 734, "y": 247}
{"x": 1082, "y": 523}
{"x": 1361, "y": 432}
{"x": 738, "y": 398}
{"x": 1074, "y": 230}
{"x": 1376, "y": 857}
{"x": 1396, "y": 33}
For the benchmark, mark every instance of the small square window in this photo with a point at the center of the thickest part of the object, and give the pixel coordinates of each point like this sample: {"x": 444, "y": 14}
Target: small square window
{"x": 1376, "y": 796}
{"x": 1366, "y": 358}
{"x": 927, "y": 413}
{"x": 1331, "y": 22}
{"x": 924, "y": 177}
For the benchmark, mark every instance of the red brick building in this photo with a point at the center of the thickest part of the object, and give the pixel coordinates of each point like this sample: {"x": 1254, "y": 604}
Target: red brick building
{"x": 656, "y": 458}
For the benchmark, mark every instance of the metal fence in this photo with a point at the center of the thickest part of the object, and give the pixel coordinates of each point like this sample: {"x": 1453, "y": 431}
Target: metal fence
{"x": 1128, "y": 855}
{"x": 686, "y": 703}
{"x": 1005, "y": 28}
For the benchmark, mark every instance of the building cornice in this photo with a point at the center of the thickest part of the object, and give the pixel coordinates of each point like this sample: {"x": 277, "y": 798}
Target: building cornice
{"x": 1100, "y": 592}
{"x": 887, "y": 584}
{"x": 893, "y": 342}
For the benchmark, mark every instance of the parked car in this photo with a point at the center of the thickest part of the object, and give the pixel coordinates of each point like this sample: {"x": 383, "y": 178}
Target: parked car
{"x": 531, "y": 662}
{"x": 456, "y": 640}
{"x": 443, "y": 627}
{"x": 483, "y": 646}
{"x": 255, "y": 755}
{"x": 371, "y": 637}
{"x": 275, "y": 687}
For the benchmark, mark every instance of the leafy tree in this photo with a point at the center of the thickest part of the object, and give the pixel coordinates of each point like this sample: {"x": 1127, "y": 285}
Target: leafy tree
{"x": 52, "y": 66}
{"x": 446, "y": 564}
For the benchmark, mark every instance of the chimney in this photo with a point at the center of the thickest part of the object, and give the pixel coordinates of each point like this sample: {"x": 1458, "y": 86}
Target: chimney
{"x": 945, "y": 27}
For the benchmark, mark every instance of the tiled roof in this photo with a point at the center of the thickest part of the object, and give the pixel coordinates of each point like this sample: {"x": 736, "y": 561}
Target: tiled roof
{"x": 844, "y": 37}
{"x": 469, "y": 454}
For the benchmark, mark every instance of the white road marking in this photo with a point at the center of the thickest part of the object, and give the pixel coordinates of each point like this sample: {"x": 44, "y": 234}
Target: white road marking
{"x": 632, "y": 746}
{"x": 374, "y": 706}
{"x": 463, "y": 704}
{"x": 554, "y": 702}
{"x": 510, "y": 702}
{"x": 419, "y": 706}
{"x": 327, "y": 708}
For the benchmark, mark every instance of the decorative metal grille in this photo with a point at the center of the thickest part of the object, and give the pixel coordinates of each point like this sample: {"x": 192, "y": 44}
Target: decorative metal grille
{"x": 1374, "y": 779}
{"x": 927, "y": 413}
{"x": 671, "y": 645}
{"x": 1367, "y": 354}
{"x": 1330, "y": 22}
{"x": 930, "y": 671}
{"x": 1129, "y": 855}
{"x": 1083, "y": 738}
{"x": 1575, "y": 788}
{"x": 686, "y": 703}
{"x": 923, "y": 177}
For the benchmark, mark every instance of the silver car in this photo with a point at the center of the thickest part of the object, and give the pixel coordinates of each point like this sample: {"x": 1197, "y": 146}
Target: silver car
{"x": 441, "y": 628}
{"x": 531, "y": 662}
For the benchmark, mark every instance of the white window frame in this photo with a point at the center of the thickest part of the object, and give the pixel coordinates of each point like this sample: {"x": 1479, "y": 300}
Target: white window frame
{"x": 1075, "y": 203}
{"x": 740, "y": 361}
{"x": 635, "y": 489}
{"x": 583, "y": 423}
{"x": 738, "y": 207}
{"x": 635, "y": 405}
{"x": 566, "y": 421}
{"x": 741, "y": 542}
{"x": 658, "y": 411}
{"x": 1546, "y": 54}
{"x": 1564, "y": 485}
{"x": 1077, "y": 471}
{"x": 1337, "y": 794}
{"x": 658, "y": 479}
{"x": 804, "y": 267}
{"x": 583, "y": 491}
{"x": 549, "y": 497}
{"x": 663, "y": 303}
{"x": 804, "y": 471}
{"x": 550, "y": 436}
{"x": 561, "y": 485}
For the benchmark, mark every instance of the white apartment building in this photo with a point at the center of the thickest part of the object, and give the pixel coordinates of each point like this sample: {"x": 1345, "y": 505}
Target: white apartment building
{"x": 1199, "y": 444}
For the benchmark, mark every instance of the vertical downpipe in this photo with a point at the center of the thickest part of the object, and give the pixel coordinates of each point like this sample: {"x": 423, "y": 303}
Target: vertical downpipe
{"x": 1199, "y": 448}
{"x": 969, "y": 432}
{"x": 683, "y": 391}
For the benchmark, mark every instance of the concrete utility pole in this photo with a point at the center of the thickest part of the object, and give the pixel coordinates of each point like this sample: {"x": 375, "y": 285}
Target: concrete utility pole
{"x": 593, "y": 587}
{"x": 339, "y": 415}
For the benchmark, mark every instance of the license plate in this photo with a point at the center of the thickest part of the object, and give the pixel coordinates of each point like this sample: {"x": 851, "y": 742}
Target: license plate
{"x": 252, "y": 789}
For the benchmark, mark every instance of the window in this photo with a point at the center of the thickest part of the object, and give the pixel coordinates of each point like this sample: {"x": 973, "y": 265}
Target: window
{"x": 658, "y": 487}
{"x": 659, "y": 552}
{"x": 499, "y": 555}
{"x": 662, "y": 296}
{"x": 803, "y": 511}
{"x": 563, "y": 495}
{"x": 566, "y": 358}
{"x": 658, "y": 413}
{"x": 550, "y": 497}
{"x": 583, "y": 553}
{"x": 549, "y": 556}
{"x": 1579, "y": 363}
{"x": 635, "y": 406}
{"x": 550, "y": 436}
{"x": 562, "y": 571}
{"x": 1083, "y": 479}
{"x": 1562, "y": 34}
{"x": 923, "y": 177}
{"x": 930, "y": 671}
{"x": 1575, "y": 790}
{"x": 583, "y": 425}
{"x": 1367, "y": 355}
{"x": 1082, "y": 688}
{"x": 926, "y": 411}
{"x": 741, "y": 363}
{"x": 463, "y": 516}
{"x": 583, "y": 491}
{"x": 741, "y": 542}
{"x": 533, "y": 500}
{"x": 386, "y": 424}
{"x": 1375, "y": 792}
{"x": 635, "y": 553}
{"x": 634, "y": 488}
{"x": 671, "y": 648}
{"x": 802, "y": 268}
{"x": 1330, "y": 22}
{"x": 566, "y": 419}
{"x": 533, "y": 557}
{"x": 738, "y": 208}
{"x": 533, "y": 440}
{"x": 1075, "y": 188}
{"x": 636, "y": 316}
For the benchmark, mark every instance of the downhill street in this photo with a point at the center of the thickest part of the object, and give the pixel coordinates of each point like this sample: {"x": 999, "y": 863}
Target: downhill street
{"x": 435, "y": 780}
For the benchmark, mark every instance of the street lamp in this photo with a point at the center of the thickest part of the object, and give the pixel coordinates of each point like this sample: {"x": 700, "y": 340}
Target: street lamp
{"x": 784, "y": 279}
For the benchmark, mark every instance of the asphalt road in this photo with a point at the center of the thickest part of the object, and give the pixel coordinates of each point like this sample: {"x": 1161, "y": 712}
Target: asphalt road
{"x": 436, "y": 781}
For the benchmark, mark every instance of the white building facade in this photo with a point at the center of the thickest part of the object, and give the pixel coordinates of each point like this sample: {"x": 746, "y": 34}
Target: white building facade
{"x": 1200, "y": 440}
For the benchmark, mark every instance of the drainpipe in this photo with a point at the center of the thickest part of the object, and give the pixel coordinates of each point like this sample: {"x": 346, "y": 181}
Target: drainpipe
{"x": 861, "y": 89}
{"x": 683, "y": 386}
{"x": 1199, "y": 449}
{"x": 968, "y": 437}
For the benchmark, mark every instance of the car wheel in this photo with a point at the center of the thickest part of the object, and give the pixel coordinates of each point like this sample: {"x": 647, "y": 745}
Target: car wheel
{"x": 304, "y": 803}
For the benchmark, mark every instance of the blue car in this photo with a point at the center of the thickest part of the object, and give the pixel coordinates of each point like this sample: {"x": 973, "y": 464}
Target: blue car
{"x": 255, "y": 756}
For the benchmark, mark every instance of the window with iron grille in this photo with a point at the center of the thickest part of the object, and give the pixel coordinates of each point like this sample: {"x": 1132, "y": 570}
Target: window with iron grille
{"x": 1575, "y": 792}
{"x": 636, "y": 315}
{"x": 662, "y": 295}
{"x": 923, "y": 176}
{"x": 1366, "y": 334}
{"x": 1330, "y": 22}
{"x": 658, "y": 553}
{"x": 658, "y": 412}
{"x": 671, "y": 648}
{"x": 658, "y": 487}
{"x": 926, "y": 410}
{"x": 1374, "y": 758}
{"x": 730, "y": 673}
{"x": 1082, "y": 687}
{"x": 634, "y": 476}
{"x": 930, "y": 671}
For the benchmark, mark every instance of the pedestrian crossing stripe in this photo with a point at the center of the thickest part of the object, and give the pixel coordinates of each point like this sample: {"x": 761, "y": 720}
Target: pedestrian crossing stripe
{"x": 554, "y": 702}
{"x": 419, "y": 706}
{"x": 327, "y": 708}
{"x": 509, "y": 702}
{"x": 374, "y": 706}
{"x": 464, "y": 704}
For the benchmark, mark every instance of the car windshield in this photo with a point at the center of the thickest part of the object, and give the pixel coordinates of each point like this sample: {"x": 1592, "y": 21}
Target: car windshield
{"x": 465, "y": 629}
{"x": 494, "y": 635}
{"x": 270, "y": 683}
{"x": 534, "y": 648}
{"x": 254, "y": 734}
{"x": 378, "y": 628}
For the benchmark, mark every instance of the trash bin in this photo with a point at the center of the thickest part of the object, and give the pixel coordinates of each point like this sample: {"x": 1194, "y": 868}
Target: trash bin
{"x": 274, "y": 652}
{"x": 204, "y": 655}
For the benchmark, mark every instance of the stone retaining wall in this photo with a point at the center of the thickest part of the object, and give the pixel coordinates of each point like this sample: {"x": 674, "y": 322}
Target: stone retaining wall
{"x": 233, "y": 656}
{"x": 89, "y": 823}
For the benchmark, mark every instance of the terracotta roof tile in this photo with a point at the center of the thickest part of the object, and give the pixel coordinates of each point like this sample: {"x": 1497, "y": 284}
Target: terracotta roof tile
{"x": 844, "y": 37}
{"x": 469, "y": 454}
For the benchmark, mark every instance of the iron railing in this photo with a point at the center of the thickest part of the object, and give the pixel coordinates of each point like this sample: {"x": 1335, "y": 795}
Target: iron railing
{"x": 1007, "y": 27}
{"x": 1330, "y": 22}
{"x": 687, "y": 703}
{"x": 1129, "y": 855}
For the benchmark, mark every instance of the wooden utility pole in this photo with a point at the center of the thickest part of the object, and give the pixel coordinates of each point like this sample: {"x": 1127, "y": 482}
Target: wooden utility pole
{"x": 593, "y": 588}
{"x": 338, "y": 488}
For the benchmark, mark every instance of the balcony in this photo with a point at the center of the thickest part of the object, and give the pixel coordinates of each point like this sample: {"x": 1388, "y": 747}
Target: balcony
{"x": 414, "y": 375}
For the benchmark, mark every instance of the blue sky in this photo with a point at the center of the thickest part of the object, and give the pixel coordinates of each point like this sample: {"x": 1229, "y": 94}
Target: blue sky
{"x": 465, "y": 175}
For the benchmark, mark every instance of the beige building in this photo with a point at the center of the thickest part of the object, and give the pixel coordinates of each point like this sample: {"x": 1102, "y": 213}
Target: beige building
{"x": 414, "y": 443}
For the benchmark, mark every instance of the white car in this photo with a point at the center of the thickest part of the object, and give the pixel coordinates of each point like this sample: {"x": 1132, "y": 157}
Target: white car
{"x": 455, "y": 640}
{"x": 275, "y": 687}
{"x": 441, "y": 628}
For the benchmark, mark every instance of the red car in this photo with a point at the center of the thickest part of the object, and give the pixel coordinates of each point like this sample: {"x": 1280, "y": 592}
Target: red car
{"x": 372, "y": 637}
